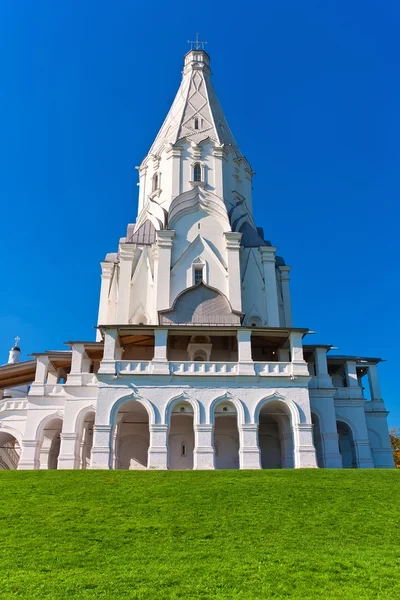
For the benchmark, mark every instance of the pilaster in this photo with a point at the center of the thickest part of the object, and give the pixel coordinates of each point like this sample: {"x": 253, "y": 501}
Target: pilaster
{"x": 249, "y": 451}
{"x": 219, "y": 157}
{"x": 203, "y": 455}
{"x": 107, "y": 270}
{"x": 163, "y": 269}
{"x": 69, "y": 455}
{"x": 287, "y": 302}
{"x": 101, "y": 449}
{"x": 126, "y": 254}
{"x": 271, "y": 292}
{"x": 232, "y": 239}
{"x": 174, "y": 154}
{"x": 304, "y": 451}
{"x": 29, "y": 458}
{"x": 158, "y": 449}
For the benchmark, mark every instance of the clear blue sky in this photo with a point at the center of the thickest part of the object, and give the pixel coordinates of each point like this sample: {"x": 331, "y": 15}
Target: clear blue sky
{"x": 312, "y": 94}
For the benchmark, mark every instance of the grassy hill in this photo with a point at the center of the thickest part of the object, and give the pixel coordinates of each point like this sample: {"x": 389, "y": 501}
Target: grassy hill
{"x": 200, "y": 535}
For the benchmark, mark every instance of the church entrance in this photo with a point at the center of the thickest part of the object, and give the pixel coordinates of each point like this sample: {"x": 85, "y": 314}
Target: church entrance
{"x": 9, "y": 452}
{"x": 346, "y": 445}
{"x": 275, "y": 437}
{"x": 132, "y": 437}
{"x": 181, "y": 438}
{"x": 226, "y": 437}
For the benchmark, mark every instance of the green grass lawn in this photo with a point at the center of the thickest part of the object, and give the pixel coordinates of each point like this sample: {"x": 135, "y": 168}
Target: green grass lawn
{"x": 200, "y": 535}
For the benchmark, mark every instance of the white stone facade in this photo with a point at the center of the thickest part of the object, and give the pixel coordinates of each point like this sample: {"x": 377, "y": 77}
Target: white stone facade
{"x": 196, "y": 364}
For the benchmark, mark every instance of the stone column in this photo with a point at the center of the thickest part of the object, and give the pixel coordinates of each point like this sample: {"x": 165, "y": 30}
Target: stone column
{"x": 42, "y": 368}
{"x": 271, "y": 292}
{"x": 111, "y": 346}
{"x": 163, "y": 268}
{"x": 174, "y": 154}
{"x": 69, "y": 448}
{"x": 126, "y": 254}
{"x": 101, "y": 449}
{"x": 321, "y": 368}
{"x": 249, "y": 451}
{"x": 299, "y": 365}
{"x": 29, "y": 458}
{"x": 374, "y": 386}
{"x": 351, "y": 374}
{"x": 107, "y": 270}
{"x": 246, "y": 365}
{"x": 304, "y": 450}
{"x": 219, "y": 157}
{"x": 203, "y": 455}
{"x": 287, "y": 302}
{"x": 158, "y": 449}
{"x": 160, "y": 364}
{"x": 232, "y": 239}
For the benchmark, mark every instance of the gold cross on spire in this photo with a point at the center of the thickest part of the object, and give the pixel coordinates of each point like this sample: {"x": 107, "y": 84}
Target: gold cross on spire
{"x": 196, "y": 44}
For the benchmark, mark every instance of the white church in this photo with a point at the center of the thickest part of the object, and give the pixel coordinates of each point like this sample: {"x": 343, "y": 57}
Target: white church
{"x": 196, "y": 363}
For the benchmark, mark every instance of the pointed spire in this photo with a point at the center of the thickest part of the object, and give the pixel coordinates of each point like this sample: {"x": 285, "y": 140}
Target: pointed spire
{"x": 196, "y": 113}
{"x": 15, "y": 353}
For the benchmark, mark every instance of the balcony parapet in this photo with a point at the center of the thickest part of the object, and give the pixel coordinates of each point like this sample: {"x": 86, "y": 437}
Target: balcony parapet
{"x": 13, "y": 404}
{"x": 199, "y": 368}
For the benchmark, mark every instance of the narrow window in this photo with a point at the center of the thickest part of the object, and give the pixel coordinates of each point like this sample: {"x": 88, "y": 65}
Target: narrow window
{"x": 198, "y": 275}
{"x": 155, "y": 182}
{"x": 197, "y": 172}
{"x": 196, "y": 123}
{"x": 183, "y": 449}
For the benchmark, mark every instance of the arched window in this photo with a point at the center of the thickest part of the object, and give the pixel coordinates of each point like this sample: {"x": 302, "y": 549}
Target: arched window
{"x": 196, "y": 123}
{"x": 200, "y": 356}
{"x": 197, "y": 172}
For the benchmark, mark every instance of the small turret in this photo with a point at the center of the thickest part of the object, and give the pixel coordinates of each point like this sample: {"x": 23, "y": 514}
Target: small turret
{"x": 15, "y": 353}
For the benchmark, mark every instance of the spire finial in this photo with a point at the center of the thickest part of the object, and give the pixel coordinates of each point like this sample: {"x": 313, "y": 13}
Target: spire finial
{"x": 15, "y": 352}
{"x": 196, "y": 44}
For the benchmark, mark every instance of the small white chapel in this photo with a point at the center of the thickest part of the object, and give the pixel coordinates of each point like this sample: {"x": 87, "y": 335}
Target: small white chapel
{"x": 196, "y": 363}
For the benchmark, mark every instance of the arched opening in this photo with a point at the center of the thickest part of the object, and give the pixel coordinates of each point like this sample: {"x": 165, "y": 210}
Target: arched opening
{"x": 132, "y": 436}
{"x": 317, "y": 440}
{"x": 346, "y": 445}
{"x": 197, "y": 172}
{"x": 275, "y": 436}
{"x": 10, "y": 452}
{"x": 86, "y": 441}
{"x": 50, "y": 448}
{"x": 181, "y": 437}
{"x": 226, "y": 436}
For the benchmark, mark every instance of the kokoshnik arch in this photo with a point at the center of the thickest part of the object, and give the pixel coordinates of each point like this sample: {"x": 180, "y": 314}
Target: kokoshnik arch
{"x": 196, "y": 364}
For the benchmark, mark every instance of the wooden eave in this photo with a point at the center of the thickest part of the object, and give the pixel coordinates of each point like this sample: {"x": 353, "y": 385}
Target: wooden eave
{"x": 18, "y": 374}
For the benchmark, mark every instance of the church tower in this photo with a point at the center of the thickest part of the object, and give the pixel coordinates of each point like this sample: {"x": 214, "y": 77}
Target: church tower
{"x": 195, "y": 254}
